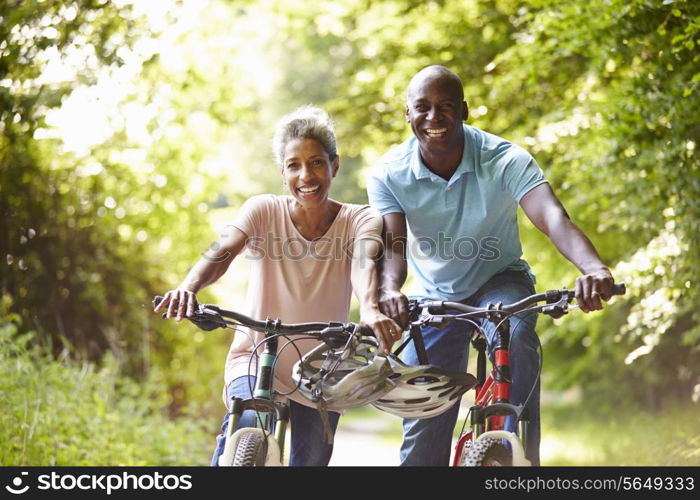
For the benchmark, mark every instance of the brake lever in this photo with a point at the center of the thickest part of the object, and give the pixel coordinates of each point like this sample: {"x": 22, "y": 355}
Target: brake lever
{"x": 207, "y": 319}
{"x": 557, "y": 309}
{"x": 335, "y": 335}
{"x": 436, "y": 320}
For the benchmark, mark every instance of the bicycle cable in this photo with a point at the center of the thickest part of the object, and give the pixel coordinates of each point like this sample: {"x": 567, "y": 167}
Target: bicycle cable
{"x": 299, "y": 355}
{"x": 255, "y": 355}
{"x": 480, "y": 330}
{"x": 540, "y": 351}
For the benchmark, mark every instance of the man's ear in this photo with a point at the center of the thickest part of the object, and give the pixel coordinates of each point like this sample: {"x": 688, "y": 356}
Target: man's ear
{"x": 408, "y": 118}
{"x": 465, "y": 110}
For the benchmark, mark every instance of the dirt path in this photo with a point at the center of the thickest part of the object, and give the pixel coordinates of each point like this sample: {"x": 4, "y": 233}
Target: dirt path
{"x": 371, "y": 437}
{"x": 370, "y": 440}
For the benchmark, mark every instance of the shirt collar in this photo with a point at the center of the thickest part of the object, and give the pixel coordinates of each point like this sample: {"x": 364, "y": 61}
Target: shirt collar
{"x": 465, "y": 165}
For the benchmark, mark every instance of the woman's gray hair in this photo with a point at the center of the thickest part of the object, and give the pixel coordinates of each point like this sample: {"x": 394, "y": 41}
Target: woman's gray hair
{"x": 306, "y": 122}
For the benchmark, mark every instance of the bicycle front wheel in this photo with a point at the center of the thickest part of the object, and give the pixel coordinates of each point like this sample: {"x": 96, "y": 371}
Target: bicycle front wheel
{"x": 488, "y": 453}
{"x": 250, "y": 451}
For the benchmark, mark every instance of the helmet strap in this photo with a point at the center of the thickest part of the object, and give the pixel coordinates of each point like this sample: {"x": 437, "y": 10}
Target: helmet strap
{"x": 323, "y": 411}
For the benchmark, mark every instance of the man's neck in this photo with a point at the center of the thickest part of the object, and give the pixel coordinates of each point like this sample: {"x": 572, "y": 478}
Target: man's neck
{"x": 443, "y": 164}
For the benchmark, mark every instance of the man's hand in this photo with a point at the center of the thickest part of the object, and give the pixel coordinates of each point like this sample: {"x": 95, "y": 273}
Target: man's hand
{"x": 394, "y": 304}
{"x": 592, "y": 287}
{"x": 180, "y": 303}
{"x": 385, "y": 329}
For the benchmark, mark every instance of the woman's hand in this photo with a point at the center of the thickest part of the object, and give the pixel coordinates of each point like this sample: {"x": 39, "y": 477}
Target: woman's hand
{"x": 180, "y": 303}
{"x": 385, "y": 329}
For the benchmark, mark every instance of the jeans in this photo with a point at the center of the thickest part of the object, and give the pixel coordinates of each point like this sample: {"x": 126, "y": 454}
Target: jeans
{"x": 309, "y": 446}
{"x": 429, "y": 441}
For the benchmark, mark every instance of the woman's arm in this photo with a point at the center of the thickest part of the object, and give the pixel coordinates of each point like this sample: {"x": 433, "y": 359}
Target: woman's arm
{"x": 206, "y": 271}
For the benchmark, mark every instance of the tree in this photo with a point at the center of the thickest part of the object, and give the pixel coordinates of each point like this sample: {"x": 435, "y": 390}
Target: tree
{"x": 604, "y": 94}
{"x": 93, "y": 232}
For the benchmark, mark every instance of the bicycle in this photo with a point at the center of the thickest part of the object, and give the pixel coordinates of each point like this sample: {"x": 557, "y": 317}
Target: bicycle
{"x": 346, "y": 370}
{"x": 263, "y": 445}
{"x": 481, "y": 444}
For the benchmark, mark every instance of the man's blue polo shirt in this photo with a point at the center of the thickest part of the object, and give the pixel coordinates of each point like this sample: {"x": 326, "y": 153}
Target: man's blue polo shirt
{"x": 463, "y": 231}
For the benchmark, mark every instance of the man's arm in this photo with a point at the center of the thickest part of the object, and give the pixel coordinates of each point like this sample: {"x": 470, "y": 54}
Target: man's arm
{"x": 547, "y": 213}
{"x": 393, "y": 269}
{"x": 206, "y": 271}
{"x": 365, "y": 283}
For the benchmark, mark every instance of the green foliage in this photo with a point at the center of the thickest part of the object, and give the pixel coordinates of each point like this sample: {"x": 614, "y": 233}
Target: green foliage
{"x": 620, "y": 436}
{"x": 93, "y": 233}
{"x": 604, "y": 94}
{"x": 50, "y": 207}
{"x": 619, "y": 122}
{"x": 61, "y": 413}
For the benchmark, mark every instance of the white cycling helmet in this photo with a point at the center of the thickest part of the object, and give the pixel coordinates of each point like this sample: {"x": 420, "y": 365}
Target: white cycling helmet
{"x": 344, "y": 378}
{"x": 422, "y": 391}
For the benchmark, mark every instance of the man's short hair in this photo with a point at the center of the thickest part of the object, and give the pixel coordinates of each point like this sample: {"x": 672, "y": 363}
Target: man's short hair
{"x": 438, "y": 72}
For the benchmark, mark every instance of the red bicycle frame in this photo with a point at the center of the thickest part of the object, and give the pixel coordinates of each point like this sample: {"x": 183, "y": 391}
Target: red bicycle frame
{"x": 492, "y": 389}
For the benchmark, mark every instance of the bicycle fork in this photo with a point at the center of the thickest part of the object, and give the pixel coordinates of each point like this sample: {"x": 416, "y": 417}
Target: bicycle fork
{"x": 488, "y": 420}
{"x": 262, "y": 403}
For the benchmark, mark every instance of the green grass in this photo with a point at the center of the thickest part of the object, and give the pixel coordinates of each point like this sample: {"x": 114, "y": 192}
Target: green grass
{"x": 63, "y": 413}
{"x": 574, "y": 435}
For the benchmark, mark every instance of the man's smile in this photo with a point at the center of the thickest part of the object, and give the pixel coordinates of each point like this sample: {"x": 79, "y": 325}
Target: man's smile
{"x": 435, "y": 132}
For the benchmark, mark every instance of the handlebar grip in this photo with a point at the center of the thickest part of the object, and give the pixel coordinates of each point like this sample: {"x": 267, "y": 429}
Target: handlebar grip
{"x": 365, "y": 330}
{"x": 619, "y": 289}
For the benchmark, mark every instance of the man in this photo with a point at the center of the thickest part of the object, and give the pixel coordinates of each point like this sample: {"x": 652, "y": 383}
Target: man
{"x": 454, "y": 191}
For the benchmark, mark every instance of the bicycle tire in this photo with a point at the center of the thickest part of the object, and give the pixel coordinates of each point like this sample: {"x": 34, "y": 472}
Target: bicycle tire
{"x": 487, "y": 453}
{"x": 463, "y": 455}
{"x": 250, "y": 451}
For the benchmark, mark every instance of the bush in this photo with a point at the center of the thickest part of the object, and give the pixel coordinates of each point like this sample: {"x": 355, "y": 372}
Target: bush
{"x": 60, "y": 413}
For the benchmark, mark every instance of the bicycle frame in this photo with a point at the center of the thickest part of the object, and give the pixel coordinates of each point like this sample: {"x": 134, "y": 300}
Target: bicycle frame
{"x": 262, "y": 402}
{"x": 272, "y": 410}
{"x": 492, "y": 393}
{"x": 492, "y": 402}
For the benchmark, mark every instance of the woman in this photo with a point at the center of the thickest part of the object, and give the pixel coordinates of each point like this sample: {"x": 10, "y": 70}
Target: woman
{"x": 309, "y": 252}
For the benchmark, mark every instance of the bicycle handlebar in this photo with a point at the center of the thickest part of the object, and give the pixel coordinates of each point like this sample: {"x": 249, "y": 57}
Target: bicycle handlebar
{"x": 209, "y": 317}
{"x": 550, "y": 297}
